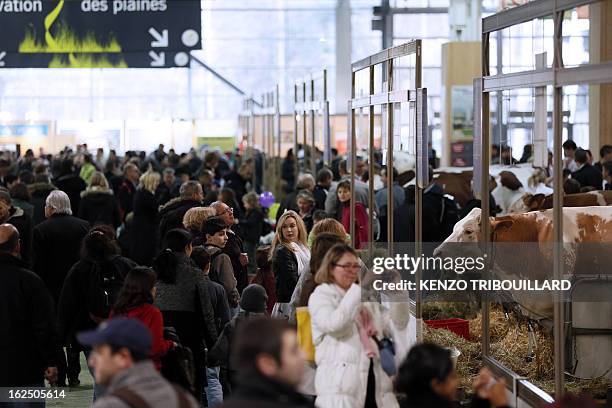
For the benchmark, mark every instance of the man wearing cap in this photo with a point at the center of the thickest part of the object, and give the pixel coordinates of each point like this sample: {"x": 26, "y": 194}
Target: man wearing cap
{"x": 119, "y": 359}
{"x": 24, "y": 224}
{"x": 30, "y": 349}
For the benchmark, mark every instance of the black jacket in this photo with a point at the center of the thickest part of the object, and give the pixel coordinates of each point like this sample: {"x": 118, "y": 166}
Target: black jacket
{"x": 125, "y": 195}
{"x": 23, "y": 222}
{"x": 39, "y": 193}
{"x": 144, "y": 225}
{"x": 99, "y": 207}
{"x": 233, "y": 248}
{"x": 72, "y": 185}
{"x": 588, "y": 176}
{"x": 320, "y": 195}
{"x": 57, "y": 244}
{"x": 257, "y": 391}
{"x": 431, "y": 400}
{"x": 72, "y": 308}
{"x": 285, "y": 268}
{"x": 218, "y": 299}
{"x": 171, "y": 214}
{"x": 289, "y": 203}
{"x": 237, "y": 184}
{"x": 29, "y": 342}
{"x": 251, "y": 226}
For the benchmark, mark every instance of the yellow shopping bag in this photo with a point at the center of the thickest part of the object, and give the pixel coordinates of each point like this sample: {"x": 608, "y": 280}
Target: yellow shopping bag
{"x": 304, "y": 333}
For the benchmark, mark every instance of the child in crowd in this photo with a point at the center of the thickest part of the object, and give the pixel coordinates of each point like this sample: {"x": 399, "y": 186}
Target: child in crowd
{"x": 361, "y": 215}
{"x": 136, "y": 301}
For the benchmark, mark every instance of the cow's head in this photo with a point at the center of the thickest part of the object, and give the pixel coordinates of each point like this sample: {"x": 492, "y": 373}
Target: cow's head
{"x": 528, "y": 202}
{"x": 509, "y": 180}
{"x": 467, "y": 231}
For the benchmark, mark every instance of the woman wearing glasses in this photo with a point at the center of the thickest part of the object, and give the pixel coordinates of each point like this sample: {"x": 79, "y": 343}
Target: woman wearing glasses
{"x": 349, "y": 371}
{"x": 290, "y": 257}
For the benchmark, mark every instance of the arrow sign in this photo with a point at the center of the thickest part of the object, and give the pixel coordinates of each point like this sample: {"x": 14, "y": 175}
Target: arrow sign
{"x": 158, "y": 60}
{"x": 161, "y": 40}
{"x": 2, "y": 54}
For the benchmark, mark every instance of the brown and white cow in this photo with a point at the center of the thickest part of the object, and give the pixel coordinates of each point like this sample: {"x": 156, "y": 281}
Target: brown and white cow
{"x": 523, "y": 249}
{"x": 533, "y": 202}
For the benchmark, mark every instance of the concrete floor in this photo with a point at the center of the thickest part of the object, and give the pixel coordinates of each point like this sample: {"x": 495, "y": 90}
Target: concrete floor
{"x": 78, "y": 397}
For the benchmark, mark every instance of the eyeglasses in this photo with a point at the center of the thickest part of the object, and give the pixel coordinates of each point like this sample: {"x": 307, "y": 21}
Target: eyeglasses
{"x": 349, "y": 266}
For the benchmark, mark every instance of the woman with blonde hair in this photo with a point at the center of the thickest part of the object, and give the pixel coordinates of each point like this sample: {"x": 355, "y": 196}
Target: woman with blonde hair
{"x": 330, "y": 225}
{"x": 345, "y": 333}
{"x": 194, "y": 219}
{"x": 98, "y": 204}
{"x": 537, "y": 182}
{"x": 144, "y": 224}
{"x": 290, "y": 256}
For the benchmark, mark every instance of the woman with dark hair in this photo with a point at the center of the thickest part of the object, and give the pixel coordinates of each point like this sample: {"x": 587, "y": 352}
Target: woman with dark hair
{"x": 184, "y": 300}
{"x": 427, "y": 379}
{"x": 229, "y": 197}
{"x": 91, "y": 288}
{"x": 21, "y": 198}
{"x": 136, "y": 301}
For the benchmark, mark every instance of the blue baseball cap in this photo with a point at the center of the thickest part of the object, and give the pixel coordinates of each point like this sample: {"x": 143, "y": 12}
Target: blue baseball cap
{"x": 119, "y": 332}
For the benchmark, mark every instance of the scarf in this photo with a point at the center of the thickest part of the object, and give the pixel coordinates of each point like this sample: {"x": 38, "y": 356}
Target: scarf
{"x": 302, "y": 255}
{"x": 366, "y": 328}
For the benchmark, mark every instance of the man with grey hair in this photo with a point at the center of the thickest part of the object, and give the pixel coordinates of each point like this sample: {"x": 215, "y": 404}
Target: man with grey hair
{"x": 57, "y": 242}
{"x": 305, "y": 182}
{"x": 171, "y": 214}
{"x": 168, "y": 188}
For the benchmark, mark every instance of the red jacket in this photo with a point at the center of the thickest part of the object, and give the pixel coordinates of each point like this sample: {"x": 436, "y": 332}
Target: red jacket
{"x": 361, "y": 223}
{"x": 151, "y": 317}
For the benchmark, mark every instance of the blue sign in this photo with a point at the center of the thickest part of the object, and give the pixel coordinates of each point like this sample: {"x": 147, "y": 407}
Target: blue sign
{"x": 24, "y": 130}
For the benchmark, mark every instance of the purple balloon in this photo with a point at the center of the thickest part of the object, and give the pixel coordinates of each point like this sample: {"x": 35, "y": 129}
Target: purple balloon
{"x": 266, "y": 199}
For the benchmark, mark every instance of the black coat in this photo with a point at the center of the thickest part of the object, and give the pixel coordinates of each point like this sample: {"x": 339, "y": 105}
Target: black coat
{"x": 72, "y": 307}
{"x": 72, "y": 185}
{"x": 320, "y": 195}
{"x": 23, "y": 222}
{"x": 285, "y": 268}
{"x": 251, "y": 226}
{"x": 237, "y": 184}
{"x": 144, "y": 225}
{"x": 588, "y": 176}
{"x": 125, "y": 195}
{"x": 99, "y": 207}
{"x": 171, "y": 215}
{"x": 39, "y": 193}
{"x": 431, "y": 400}
{"x": 233, "y": 248}
{"x": 29, "y": 342}
{"x": 257, "y": 391}
{"x": 57, "y": 244}
{"x": 218, "y": 299}
{"x": 289, "y": 203}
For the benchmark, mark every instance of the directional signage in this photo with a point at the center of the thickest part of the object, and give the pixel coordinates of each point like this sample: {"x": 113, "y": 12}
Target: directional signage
{"x": 151, "y": 28}
{"x": 151, "y": 59}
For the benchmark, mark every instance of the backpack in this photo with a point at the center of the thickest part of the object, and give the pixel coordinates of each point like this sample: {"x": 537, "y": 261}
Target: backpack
{"x": 106, "y": 282}
{"x": 449, "y": 215}
{"x": 177, "y": 365}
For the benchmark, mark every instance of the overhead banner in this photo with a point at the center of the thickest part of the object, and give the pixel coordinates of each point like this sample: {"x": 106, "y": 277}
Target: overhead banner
{"x": 151, "y": 59}
{"x": 98, "y": 27}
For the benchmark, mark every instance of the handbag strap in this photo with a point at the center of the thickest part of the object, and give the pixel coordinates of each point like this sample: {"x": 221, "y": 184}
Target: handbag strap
{"x": 132, "y": 399}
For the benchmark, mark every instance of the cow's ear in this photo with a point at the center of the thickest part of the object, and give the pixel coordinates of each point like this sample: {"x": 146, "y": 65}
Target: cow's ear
{"x": 499, "y": 225}
{"x": 536, "y": 202}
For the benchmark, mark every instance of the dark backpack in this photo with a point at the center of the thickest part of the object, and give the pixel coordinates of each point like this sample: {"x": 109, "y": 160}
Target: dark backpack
{"x": 177, "y": 365}
{"x": 105, "y": 284}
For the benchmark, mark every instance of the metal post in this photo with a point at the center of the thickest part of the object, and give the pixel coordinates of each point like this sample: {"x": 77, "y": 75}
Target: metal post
{"x": 313, "y": 164}
{"x": 485, "y": 227}
{"x": 295, "y": 131}
{"x": 418, "y": 212}
{"x": 277, "y": 187}
{"x": 558, "y": 265}
{"x": 305, "y": 134}
{"x": 390, "y": 179}
{"x": 353, "y": 159}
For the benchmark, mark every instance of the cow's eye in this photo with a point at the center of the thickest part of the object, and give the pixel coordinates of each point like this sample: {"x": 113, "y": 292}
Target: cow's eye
{"x": 468, "y": 231}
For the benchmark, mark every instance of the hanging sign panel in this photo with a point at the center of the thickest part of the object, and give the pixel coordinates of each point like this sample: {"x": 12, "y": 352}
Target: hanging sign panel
{"x": 151, "y": 59}
{"x": 99, "y": 26}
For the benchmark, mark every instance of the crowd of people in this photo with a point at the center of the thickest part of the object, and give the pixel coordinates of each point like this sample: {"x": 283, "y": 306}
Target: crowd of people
{"x": 153, "y": 267}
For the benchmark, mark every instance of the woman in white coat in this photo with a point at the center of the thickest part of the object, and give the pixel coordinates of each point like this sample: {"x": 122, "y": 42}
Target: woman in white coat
{"x": 349, "y": 373}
